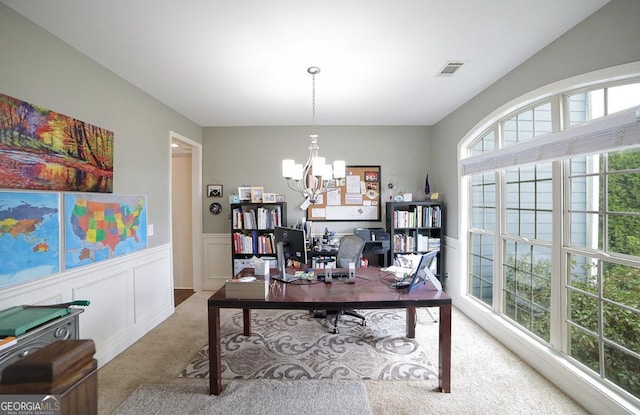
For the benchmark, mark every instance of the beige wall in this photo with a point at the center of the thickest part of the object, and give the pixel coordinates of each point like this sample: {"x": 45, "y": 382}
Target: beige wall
{"x": 236, "y": 156}
{"x": 40, "y": 69}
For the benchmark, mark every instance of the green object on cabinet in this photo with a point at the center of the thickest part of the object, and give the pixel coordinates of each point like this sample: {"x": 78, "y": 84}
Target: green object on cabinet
{"x": 17, "y": 320}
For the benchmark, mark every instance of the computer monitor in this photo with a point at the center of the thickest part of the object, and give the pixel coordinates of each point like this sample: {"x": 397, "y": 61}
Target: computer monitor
{"x": 290, "y": 245}
{"x": 423, "y": 272}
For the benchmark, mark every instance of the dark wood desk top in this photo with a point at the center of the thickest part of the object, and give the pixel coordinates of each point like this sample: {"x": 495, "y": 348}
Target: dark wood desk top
{"x": 370, "y": 290}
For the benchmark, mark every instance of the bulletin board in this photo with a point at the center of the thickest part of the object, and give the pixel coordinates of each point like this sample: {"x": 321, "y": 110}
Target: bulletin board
{"x": 357, "y": 197}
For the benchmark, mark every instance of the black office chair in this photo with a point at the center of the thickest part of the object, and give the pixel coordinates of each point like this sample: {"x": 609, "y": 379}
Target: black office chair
{"x": 350, "y": 250}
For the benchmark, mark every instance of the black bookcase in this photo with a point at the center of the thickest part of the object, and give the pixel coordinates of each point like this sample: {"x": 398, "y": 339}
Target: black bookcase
{"x": 416, "y": 228}
{"x": 252, "y": 227}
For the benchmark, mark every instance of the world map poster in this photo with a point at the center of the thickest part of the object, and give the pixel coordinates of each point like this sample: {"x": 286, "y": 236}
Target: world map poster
{"x": 29, "y": 236}
{"x": 103, "y": 226}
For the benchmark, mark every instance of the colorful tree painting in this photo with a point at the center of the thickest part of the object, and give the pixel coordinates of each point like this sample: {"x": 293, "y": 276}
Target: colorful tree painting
{"x": 44, "y": 150}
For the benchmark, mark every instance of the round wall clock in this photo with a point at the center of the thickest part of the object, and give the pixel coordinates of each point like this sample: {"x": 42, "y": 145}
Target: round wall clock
{"x": 398, "y": 198}
{"x": 215, "y": 208}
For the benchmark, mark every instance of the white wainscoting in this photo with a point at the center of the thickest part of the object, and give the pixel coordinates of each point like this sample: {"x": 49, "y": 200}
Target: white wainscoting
{"x": 129, "y": 296}
{"x": 217, "y": 260}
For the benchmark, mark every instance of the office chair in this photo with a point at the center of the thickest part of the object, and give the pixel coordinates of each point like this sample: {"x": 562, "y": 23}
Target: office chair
{"x": 350, "y": 250}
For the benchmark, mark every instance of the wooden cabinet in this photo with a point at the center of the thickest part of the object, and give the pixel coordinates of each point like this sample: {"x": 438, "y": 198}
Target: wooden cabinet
{"x": 252, "y": 227}
{"x": 416, "y": 228}
{"x": 62, "y": 328}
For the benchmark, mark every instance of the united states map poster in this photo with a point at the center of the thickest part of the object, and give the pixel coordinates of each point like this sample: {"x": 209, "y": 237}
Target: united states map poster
{"x": 100, "y": 227}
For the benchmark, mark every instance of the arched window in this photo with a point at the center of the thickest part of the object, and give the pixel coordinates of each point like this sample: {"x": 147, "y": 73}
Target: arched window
{"x": 553, "y": 223}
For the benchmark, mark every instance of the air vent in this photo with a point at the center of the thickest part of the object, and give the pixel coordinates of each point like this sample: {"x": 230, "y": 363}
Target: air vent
{"x": 450, "y": 68}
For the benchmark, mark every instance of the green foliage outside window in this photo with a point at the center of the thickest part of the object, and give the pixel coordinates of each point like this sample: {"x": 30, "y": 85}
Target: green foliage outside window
{"x": 620, "y": 326}
{"x": 620, "y": 284}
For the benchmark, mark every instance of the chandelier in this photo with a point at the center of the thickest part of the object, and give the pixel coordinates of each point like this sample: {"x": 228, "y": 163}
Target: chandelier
{"x": 315, "y": 176}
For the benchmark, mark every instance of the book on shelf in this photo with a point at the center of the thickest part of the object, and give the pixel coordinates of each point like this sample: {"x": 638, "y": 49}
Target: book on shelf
{"x": 253, "y": 243}
{"x": 419, "y": 216}
{"x": 260, "y": 218}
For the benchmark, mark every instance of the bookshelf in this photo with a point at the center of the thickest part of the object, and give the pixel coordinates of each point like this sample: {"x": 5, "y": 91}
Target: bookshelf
{"x": 252, "y": 227}
{"x": 416, "y": 228}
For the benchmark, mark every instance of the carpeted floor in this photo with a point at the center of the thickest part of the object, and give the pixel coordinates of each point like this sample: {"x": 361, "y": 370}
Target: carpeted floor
{"x": 485, "y": 378}
{"x": 264, "y": 397}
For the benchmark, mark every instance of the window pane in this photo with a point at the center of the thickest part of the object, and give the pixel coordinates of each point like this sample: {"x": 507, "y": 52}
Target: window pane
{"x": 544, "y": 199}
{"x": 624, "y": 160}
{"x": 604, "y": 297}
{"x": 528, "y": 202}
{"x": 584, "y": 310}
{"x": 621, "y": 283}
{"x": 586, "y": 106}
{"x": 586, "y": 230}
{"x": 481, "y": 256}
{"x": 527, "y": 124}
{"x": 622, "y": 369}
{"x": 483, "y": 201}
{"x": 622, "y": 235}
{"x": 527, "y": 286}
{"x": 484, "y": 144}
{"x": 618, "y": 323}
{"x": 623, "y": 97}
{"x": 542, "y": 115}
{"x": 583, "y": 346}
{"x": 583, "y": 273}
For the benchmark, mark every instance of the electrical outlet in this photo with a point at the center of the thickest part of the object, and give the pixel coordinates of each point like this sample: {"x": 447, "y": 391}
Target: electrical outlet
{"x": 150, "y": 230}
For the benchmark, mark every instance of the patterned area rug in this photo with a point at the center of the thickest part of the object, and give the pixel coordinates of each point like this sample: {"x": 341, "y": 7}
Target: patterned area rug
{"x": 294, "y": 345}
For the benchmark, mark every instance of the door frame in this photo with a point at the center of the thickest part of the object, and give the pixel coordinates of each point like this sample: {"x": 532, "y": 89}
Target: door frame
{"x": 196, "y": 206}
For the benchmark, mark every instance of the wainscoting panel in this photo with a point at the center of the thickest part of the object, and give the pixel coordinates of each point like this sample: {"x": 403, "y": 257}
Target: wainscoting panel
{"x": 217, "y": 260}
{"x": 129, "y": 296}
{"x": 152, "y": 288}
{"x": 109, "y": 297}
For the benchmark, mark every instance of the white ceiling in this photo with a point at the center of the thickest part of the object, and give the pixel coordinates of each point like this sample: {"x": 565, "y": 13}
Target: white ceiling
{"x": 244, "y": 62}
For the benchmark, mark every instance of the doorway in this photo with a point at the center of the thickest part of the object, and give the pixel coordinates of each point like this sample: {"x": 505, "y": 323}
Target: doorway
{"x": 186, "y": 216}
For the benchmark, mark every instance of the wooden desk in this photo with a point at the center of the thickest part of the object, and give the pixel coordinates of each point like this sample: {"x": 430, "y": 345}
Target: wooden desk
{"x": 367, "y": 293}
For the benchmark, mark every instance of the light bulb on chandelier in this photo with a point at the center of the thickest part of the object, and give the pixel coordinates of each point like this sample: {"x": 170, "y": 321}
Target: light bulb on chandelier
{"x": 315, "y": 176}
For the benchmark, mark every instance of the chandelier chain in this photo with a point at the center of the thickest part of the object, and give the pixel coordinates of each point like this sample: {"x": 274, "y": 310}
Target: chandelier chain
{"x": 313, "y": 105}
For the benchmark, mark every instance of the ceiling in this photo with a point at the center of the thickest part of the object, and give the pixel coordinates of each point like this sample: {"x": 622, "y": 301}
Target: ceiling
{"x": 244, "y": 62}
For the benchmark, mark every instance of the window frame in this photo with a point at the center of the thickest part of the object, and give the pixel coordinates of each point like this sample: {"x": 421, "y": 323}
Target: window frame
{"x": 559, "y": 110}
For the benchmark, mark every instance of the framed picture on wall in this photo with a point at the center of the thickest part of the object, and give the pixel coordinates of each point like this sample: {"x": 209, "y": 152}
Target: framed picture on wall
{"x": 214, "y": 190}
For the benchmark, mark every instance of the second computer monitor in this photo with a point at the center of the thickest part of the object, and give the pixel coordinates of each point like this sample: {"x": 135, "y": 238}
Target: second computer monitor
{"x": 294, "y": 246}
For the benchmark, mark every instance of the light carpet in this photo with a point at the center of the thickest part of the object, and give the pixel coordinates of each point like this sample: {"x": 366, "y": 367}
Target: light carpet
{"x": 294, "y": 345}
{"x": 264, "y": 397}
